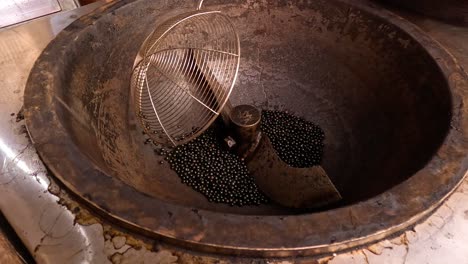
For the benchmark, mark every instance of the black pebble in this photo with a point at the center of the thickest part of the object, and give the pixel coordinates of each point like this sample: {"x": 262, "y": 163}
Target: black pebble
{"x": 216, "y": 173}
{"x": 297, "y": 142}
{"x": 223, "y": 177}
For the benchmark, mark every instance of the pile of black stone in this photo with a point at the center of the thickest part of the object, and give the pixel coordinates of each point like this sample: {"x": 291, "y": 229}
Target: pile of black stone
{"x": 223, "y": 177}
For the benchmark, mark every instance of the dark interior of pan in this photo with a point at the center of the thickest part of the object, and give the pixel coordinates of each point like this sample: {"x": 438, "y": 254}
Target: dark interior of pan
{"x": 388, "y": 98}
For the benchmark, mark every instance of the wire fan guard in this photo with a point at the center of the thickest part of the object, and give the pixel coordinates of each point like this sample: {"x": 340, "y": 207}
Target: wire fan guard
{"x": 186, "y": 75}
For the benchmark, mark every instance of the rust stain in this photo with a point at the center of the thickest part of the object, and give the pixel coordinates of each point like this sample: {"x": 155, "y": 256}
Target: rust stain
{"x": 110, "y": 232}
{"x": 375, "y": 249}
{"x": 82, "y": 215}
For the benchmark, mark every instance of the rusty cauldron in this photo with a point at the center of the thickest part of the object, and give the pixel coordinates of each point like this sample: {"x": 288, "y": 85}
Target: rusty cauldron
{"x": 392, "y": 102}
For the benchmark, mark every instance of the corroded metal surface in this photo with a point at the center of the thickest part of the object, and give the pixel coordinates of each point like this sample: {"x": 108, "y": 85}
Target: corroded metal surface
{"x": 440, "y": 239}
{"x": 453, "y": 11}
{"x": 292, "y": 187}
{"x": 201, "y": 226}
{"x": 245, "y": 129}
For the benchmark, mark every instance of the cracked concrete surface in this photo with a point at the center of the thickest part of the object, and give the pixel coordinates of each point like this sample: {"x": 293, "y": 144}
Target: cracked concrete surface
{"x": 440, "y": 239}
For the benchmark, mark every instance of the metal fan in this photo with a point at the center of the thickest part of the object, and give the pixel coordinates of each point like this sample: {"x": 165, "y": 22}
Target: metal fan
{"x": 186, "y": 74}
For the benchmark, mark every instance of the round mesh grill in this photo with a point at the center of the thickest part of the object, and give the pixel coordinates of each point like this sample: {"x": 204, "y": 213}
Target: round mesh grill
{"x": 189, "y": 67}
